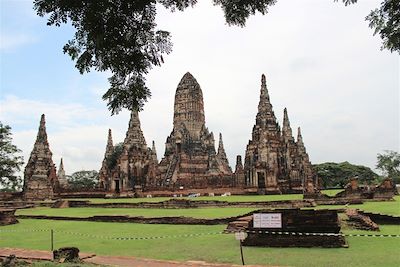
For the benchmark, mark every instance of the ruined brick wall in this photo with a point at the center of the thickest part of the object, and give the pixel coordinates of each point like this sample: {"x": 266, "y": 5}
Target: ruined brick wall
{"x": 298, "y": 221}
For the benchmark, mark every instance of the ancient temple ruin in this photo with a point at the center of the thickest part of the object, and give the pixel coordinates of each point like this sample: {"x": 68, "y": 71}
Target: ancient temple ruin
{"x": 274, "y": 161}
{"x": 131, "y": 165}
{"x": 190, "y": 159}
{"x": 239, "y": 175}
{"x": 62, "y": 178}
{"x": 40, "y": 179}
{"x": 105, "y": 171}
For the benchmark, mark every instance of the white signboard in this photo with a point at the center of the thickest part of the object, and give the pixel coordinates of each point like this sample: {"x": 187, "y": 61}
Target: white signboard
{"x": 267, "y": 220}
{"x": 240, "y": 235}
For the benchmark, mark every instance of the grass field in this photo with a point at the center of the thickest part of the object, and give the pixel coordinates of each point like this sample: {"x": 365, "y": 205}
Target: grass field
{"x": 86, "y": 212}
{"x": 233, "y": 198}
{"x": 363, "y": 251}
{"x": 383, "y": 207}
{"x": 255, "y": 198}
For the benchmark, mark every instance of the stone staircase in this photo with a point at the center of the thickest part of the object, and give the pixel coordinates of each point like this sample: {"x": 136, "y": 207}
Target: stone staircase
{"x": 171, "y": 169}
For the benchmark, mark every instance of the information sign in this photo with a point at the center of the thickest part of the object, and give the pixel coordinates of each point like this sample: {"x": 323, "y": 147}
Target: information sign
{"x": 267, "y": 220}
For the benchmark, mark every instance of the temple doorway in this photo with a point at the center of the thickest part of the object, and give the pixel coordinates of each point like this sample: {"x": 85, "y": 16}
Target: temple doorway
{"x": 117, "y": 190}
{"x": 261, "y": 179}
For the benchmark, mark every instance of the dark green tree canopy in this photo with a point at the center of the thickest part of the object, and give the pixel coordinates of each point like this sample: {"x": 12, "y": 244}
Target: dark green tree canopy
{"x": 121, "y": 36}
{"x": 83, "y": 180}
{"x": 337, "y": 175}
{"x": 10, "y": 161}
{"x": 113, "y": 158}
{"x": 389, "y": 164}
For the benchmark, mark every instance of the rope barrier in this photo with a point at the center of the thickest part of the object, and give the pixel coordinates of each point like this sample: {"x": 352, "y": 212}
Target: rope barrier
{"x": 119, "y": 238}
{"x": 321, "y": 234}
{"x": 202, "y": 234}
{"x": 25, "y": 230}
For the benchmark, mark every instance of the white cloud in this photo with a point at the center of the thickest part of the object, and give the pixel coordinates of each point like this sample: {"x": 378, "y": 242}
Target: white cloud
{"x": 11, "y": 42}
{"x": 329, "y": 72}
{"x": 75, "y": 132}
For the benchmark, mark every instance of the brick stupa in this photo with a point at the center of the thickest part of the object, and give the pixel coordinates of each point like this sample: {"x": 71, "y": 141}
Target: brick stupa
{"x": 40, "y": 179}
{"x": 274, "y": 161}
{"x": 190, "y": 159}
{"x": 135, "y": 167}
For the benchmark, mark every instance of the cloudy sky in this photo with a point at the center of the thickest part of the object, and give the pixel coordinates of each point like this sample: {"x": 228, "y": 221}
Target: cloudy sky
{"x": 320, "y": 59}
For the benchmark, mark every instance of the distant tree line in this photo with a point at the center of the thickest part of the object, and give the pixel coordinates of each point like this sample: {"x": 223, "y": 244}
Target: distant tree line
{"x": 336, "y": 175}
{"x": 83, "y": 180}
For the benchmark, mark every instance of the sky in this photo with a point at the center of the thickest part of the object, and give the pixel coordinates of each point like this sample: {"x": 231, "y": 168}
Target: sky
{"x": 320, "y": 59}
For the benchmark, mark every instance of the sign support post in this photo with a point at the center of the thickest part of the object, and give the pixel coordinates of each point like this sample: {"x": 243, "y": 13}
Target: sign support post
{"x": 241, "y": 251}
{"x": 241, "y": 236}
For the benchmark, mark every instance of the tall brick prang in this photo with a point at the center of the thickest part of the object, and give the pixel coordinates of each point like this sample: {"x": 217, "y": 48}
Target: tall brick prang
{"x": 190, "y": 159}
{"x": 40, "y": 179}
{"x": 274, "y": 161}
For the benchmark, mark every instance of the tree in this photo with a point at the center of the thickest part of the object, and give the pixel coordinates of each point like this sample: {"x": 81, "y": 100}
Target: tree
{"x": 121, "y": 36}
{"x": 112, "y": 159}
{"x": 337, "y": 175}
{"x": 389, "y": 164}
{"x": 386, "y": 21}
{"x": 83, "y": 180}
{"x": 10, "y": 162}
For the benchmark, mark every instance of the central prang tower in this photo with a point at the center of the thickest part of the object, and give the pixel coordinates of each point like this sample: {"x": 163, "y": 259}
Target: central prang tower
{"x": 274, "y": 161}
{"x": 190, "y": 159}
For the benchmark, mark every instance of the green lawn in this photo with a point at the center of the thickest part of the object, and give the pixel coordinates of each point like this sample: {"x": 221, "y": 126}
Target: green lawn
{"x": 383, "y": 207}
{"x": 363, "y": 251}
{"x": 86, "y": 212}
{"x": 254, "y": 198}
{"x": 332, "y": 192}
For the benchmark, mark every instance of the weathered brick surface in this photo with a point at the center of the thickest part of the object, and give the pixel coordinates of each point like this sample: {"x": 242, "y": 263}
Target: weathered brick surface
{"x": 136, "y": 166}
{"x": 274, "y": 161}
{"x": 190, "y": 159}
{"x": 7, "y": 216}
{"x": 40, "y": 179}
{"x": 298, "y": 221}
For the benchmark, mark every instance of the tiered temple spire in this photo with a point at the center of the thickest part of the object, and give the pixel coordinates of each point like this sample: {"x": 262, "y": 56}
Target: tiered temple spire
{"x": 274, "y": 161}
{"x": 154, "y": 151}
{"x": 62, "y": 179}
{"x": 286, "y": 129}
{"x": 105, "y": 172}
{"x": 190, "y": 159}
{"x": 110, "y": 144}
{"x": 265, "y": 117}
{"x": 40, "y": 179}
{"x": 222, "y": 158}
{"x": 134, "y": 135}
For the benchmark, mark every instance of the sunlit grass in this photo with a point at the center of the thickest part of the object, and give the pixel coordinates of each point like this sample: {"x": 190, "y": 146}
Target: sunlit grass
{"x": 232, "y": 198}
{"x": 86, "y": 212}
{"x": 363, "y": 251}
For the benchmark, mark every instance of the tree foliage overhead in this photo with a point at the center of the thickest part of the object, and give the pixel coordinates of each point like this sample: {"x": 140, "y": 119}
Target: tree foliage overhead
{"x": 386, "y": 22}
{"x": 121, "y": 36}
{"x": 389, "y": 164}
{"x": 337, "y": 175}
{"x": 10, "y": 161}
